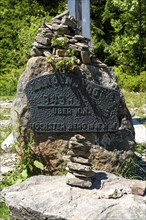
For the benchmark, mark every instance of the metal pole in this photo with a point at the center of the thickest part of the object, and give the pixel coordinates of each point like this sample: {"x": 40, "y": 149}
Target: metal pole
{"x": 71, "y": 7}
{"x": 86, "y": 18}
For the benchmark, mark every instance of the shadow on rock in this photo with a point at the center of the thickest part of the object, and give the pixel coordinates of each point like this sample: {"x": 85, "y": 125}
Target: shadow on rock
{"x": 97, "y": 180}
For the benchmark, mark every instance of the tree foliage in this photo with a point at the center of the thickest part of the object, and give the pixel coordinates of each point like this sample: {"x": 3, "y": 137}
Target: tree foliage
{"x": 118, "y": 29}
{"x": 121, "y": 33}
{"x": 20, "y": 21}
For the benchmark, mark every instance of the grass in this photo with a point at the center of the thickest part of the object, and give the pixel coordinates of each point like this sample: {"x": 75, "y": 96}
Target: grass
{"x": 9, "y": 98}
{"x": 135, "y": 102}
{"x": 5, "y": 114}
{"x": 4, "y": 211}
{"x": 132, "y": 168}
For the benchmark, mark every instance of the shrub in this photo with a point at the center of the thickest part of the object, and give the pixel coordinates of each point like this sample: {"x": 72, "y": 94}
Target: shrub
{"x": 130, "y": 82}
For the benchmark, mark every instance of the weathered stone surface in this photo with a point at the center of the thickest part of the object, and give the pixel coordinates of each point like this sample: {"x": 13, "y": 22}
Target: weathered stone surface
{"x": 78, "y": 167}
{"x": 47, "y": 34}
{"x": 85, "y": 57}
{"x": 56, "y": 21}
{"x": 79, "y": 37}
{"x": 42, "y": 40}
{"x": 80, "y": 160}
{"x": 60, "y": 52}
{"x": 35, "y": 52}
{"x": 83, "y": 182}
{"x": 50, "y": 197}
{"x": 68, "y": 111}
{"x": 52, "y": 152}
{"x": 41, "y": 46}
{"x": 105, "y": 145}
{"x": 73, "y": 41}
{"x": 57, "y": 27}
{"x": 70, "y": 22}
{"x": 8, "y": 143}
{"x": 7, "y": 163}
{"x": 78, "y": 153}
{"x": 82, "y": 45}
{"x": 80, "y": 146}
{"x": 138, "y": 188}
{"x": 83, "y": 173}
{"x": 46, "y": 53}
{"x": 20, "y": 109}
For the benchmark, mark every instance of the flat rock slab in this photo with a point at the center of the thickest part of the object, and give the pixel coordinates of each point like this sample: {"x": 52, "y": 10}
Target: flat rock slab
{"x": 8, "y": 143}
{"x": 7, "y": 163}
{"x": 50, "y": 198}
{"x": 140, "y": 131}
{"x": 5, "y": 104}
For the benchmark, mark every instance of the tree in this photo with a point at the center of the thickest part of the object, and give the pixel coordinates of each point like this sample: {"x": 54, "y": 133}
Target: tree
{"x": 121, "y": 34}
{"x": 20, "y": 21}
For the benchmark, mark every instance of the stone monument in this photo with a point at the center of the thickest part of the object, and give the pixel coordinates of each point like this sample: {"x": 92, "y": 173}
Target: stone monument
{"x": 66, "y": 94}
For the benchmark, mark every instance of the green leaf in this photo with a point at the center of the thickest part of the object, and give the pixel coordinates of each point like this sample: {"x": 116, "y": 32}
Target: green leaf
{"x": 18, "y": 181}
{"x": 24, "y": 174}
{"x": 39, "y": 165}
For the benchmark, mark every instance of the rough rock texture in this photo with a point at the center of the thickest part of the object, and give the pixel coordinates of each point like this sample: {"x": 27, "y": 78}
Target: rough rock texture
{"x": 79, "y": 165}
{"x": 46, "y": 197}
{"x": 109, "y": 148}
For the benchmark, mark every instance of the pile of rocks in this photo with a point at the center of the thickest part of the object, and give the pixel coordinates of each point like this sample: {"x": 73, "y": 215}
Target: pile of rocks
{"x": 79, "y": 166}
{"x": 54, "y": 40}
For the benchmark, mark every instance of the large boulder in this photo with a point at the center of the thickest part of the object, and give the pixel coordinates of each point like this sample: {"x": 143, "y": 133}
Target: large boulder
{"x": 109, "y": 148}
{"x": 49, "y": 197}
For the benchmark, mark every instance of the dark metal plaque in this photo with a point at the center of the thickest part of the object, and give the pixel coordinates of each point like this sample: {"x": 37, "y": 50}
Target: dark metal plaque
{"x": 69, "y": 103}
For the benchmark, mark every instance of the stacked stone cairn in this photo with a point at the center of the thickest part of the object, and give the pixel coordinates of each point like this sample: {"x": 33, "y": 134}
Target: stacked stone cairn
{"x": 79, "y": 165}
{"x": 56, "y": 38}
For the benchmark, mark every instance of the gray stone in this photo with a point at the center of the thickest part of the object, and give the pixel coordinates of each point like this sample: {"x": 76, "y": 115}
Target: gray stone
{"x": 140, "y": 131}
{"x": 42, "y": 40}
{"x": 36, "y": 66}
{"x": 82, "y": 45}
{"x": 56, "y": 21}
{"x": 83, "y": 173}
{"x": 138, "y": 188}
{"x": 78, "y": 167}
{"x": 57, "y": 27}
{"x": 8, "y": 161}
{"x": 83, "y": 182}
{"x": 78, "y": 137}
{"x": 73, "y": 41}
{"x": 60, "y": 52}
{"x": 85, "y": 57}
{"x": 47, "y": 53}
{"x": 80, "y": 160}
{"x": 48, "y": 26}
{"x": 81, "y": 146}
{"x": 79, "y": 153}
{"x": 8, "y": 143}
{"x": 103, "y": 145}
{"x": 35, "y": 52}
{"x": 47, "y": 34}
{"x": 69, "y": 21}
{"x": 40, "y": 46}
{"x": 49, "y": 197}
{"x": 79, "y": 37}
